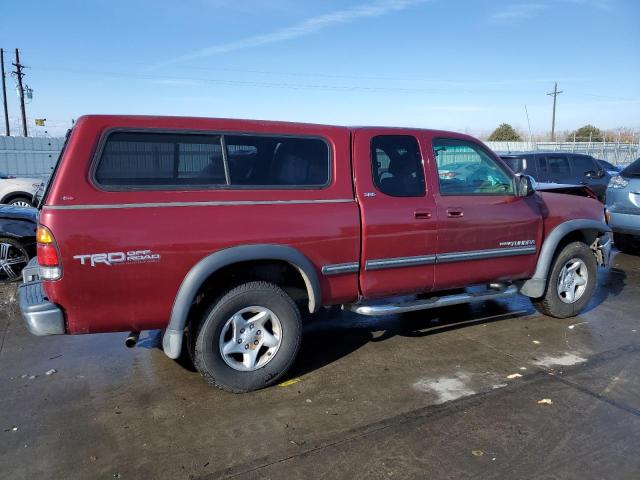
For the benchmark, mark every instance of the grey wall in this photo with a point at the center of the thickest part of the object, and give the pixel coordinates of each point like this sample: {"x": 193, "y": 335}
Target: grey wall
{"x": 29, "y": 157}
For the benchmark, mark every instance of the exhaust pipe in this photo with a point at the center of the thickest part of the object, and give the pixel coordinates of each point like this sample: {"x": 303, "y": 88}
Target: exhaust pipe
{"x": 132, "y": 339}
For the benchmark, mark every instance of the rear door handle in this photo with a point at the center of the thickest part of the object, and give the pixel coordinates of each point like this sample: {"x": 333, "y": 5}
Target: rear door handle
{"x": 455, "y": 213}
{"x": 422, "y": 214}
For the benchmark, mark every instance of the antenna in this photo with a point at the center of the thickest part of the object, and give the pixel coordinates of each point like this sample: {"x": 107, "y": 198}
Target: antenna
{"x": 529, "y": 124}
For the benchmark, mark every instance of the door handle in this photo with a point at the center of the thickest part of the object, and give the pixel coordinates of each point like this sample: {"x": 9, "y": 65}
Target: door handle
{"x": 455, "y": 213}
{"x": 422, "y": 214}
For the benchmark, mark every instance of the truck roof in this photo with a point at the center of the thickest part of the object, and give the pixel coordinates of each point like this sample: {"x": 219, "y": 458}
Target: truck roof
{"x": 168, "y": 121}
{"x": 541, "y": 152}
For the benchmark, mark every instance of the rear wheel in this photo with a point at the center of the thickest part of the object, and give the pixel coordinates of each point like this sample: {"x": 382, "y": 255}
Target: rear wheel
{"x": 248, "y": 339}
{"x": 13, "y": 258}
{"x": 627, "y": 243}
{"x": 21, "y": 202}
{"x": 571, "y": 282}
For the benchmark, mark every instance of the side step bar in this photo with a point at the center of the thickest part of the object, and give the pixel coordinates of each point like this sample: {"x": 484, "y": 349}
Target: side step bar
{"x": 433, "y": 302}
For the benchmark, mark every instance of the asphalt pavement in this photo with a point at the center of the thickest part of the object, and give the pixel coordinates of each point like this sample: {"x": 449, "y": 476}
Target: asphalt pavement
{"x": 493, "y": 390}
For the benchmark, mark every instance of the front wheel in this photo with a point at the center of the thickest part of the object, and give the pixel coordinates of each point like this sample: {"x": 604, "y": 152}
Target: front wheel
{"x": 248, "y": 339}
{"x": 570, "y": 283}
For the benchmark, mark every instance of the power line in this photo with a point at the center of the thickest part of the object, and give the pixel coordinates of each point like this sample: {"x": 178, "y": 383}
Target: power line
{"x": 555, "y": 94}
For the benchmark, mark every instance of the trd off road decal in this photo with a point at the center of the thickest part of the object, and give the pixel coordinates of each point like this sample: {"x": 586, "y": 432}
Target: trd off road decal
{"x": 519, "y": 243}
{"x": 118, "y": 258}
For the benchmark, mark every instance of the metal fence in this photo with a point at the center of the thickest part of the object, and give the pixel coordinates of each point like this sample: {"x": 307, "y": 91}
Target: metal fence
{"x": 29, "y": 157}
{"x": 613, "y": 152}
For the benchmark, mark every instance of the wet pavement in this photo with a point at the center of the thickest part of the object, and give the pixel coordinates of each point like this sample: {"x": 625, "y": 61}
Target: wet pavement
{"x": 448, "y": 393}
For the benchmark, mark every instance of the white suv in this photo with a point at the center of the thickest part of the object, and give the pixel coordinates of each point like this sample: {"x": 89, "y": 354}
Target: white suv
{"x": 18, "y": 191}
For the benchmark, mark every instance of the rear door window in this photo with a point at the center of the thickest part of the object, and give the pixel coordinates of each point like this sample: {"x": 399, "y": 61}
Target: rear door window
{"x": 558, "y": 165}
{"x": 581, "y": 165}
{"x": 397, "y": 166}
{"x": 150, "y": 160}
{"x": 558, "y": 169}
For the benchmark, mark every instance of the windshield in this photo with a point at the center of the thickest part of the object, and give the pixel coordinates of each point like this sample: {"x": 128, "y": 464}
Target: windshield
{"x": 632, "y": 170}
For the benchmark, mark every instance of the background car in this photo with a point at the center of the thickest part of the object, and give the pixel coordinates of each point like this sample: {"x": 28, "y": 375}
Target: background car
{"x": 17, "y": 240}
{"x": 623, "y": 208}
{"x": 561, "y": 167}
{"x": 17, "y": 191}
{"x": 609, "y": 167}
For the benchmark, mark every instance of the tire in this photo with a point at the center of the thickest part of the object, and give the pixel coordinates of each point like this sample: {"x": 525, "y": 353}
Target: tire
{"x": 558, "y": 303}
{"x": 13, "y": 258}
{"x": 21, "y": 202}
{"x": 626, "y": 243}
{"x": 234, "y": 323}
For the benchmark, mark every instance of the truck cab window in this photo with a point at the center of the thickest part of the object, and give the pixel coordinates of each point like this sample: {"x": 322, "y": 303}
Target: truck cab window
{"x": 397, "y": 165}
{"x": 464, "y": 168}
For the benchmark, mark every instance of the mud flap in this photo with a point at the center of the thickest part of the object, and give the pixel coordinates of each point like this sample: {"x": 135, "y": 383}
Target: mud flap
{"x": 601, "y": 248}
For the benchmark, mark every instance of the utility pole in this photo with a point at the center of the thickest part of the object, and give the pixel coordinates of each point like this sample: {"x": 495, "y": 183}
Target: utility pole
{"x": 4, "y": 95}
{"x": 555, "y": 93}
{"x": 18, "y": 73}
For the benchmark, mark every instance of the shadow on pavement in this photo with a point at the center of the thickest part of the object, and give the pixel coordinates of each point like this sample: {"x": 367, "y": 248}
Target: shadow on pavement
{"x": 611, "y": 283}
{"x": 334, "y": 334}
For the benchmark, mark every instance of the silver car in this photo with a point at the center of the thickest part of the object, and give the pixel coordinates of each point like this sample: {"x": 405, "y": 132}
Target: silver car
{"x": 17, "y": 191}
{"x": 623, "y": 208}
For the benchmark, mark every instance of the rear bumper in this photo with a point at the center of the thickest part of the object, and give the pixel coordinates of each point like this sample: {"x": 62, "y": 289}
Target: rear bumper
{"x": 624, "y": 223}
{"x": 40, "y": 315}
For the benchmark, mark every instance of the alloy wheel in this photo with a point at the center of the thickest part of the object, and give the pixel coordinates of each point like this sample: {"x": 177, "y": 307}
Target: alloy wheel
{"x": 250, "y": 338}
{"x": 572, "y": 280}
{"x": 12, "y": 260}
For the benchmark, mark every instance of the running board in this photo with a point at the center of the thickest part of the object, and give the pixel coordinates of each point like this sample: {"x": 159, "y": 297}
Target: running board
{"x": 433, "y": 302}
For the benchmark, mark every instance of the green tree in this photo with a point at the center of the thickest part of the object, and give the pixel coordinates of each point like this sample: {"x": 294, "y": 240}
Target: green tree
{"x": 586, "y": 133}
{"x": 505, "y": 133}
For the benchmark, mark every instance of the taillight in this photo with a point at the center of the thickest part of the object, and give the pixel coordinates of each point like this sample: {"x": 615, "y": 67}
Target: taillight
{"x": 618, "y": 182}
{"x": 48, "y": 258}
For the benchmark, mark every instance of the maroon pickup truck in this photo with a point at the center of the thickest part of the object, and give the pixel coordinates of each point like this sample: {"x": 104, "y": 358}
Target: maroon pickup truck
{"x": 223, "y": 232}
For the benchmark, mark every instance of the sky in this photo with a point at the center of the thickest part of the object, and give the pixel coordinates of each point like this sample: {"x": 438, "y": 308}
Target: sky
{"x": 464, "y": 65}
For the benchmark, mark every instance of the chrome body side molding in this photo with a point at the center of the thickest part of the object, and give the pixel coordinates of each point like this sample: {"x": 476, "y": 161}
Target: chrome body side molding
{"x": 484, "y": 254}
{"x": 382, "y": 263}
{"x": 232, "y": 203}
{"x": 340, "y": 268}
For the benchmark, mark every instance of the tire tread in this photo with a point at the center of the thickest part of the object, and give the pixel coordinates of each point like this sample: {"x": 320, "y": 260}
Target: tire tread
{"x": 195, "y": 338}
{"x": 550, "y": 304}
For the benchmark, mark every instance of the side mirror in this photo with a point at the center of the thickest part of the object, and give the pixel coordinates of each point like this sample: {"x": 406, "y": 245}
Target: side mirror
{"x": 525, "y": 185}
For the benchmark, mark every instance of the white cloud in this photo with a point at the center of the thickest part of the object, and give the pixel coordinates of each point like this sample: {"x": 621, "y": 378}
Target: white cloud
{"x": 606, "y": 5}
{"x": 307, "y": 27}
{"x": 524, "y": 10}
{"x": 518, "y": 11}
